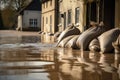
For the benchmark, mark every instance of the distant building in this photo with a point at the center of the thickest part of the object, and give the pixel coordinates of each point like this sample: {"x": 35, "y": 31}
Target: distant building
{"x": 49, "y": 16}
{"x": 81, "y": 12}
{"x": 29, "y": 18}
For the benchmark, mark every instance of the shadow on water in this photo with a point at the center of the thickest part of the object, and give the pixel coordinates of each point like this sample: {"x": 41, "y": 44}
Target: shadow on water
{"x": 30, "y": 58}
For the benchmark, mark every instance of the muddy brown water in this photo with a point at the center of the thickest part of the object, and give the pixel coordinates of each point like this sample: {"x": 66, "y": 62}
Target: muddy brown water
{"x": 35, "y": 57}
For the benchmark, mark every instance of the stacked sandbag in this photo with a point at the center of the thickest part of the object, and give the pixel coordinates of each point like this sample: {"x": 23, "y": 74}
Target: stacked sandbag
{"x": 87, "y": 36}
{"x": 72, "y": 43}
{"x": 107, "y": 38}
{"x": 94, "y": 45}
{"x": 68, "y": 32}
{"x": 116, "y": 45}
{"x": 65, "y": 40}
{"x": 56, "y": 35}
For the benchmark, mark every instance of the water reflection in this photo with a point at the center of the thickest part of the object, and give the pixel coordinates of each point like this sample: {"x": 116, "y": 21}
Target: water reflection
{"x": 47, "y": 39}
{"x": 35, "y": 60}
{"x": 93, "y": 65}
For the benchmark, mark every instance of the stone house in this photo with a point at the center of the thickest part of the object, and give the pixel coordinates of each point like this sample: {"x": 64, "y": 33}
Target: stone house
{"x": 29, "y": 18}
{"x": 49, "y": 16}
{"x": 81, "y": 12}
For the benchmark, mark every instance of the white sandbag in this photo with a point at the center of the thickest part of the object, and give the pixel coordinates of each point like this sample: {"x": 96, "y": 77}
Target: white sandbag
{"x": 64, "y": 41}
{"x": 72, "y": 43}
{"x": 94, "y": 45}
{"x": 116, "y": 45}
{"x": 107, "y": 38}
{"x": 56, "y": 35}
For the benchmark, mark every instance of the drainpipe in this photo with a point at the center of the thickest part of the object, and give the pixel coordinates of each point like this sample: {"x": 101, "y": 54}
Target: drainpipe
{"x": 103, "y": 10}
{"x": 98, "y": 8}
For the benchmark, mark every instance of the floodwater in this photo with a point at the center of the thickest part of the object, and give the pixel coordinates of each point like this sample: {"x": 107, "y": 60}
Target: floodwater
{"x": 28, "y": 56}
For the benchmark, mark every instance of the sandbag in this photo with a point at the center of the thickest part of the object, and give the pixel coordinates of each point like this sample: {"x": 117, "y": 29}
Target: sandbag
{"x": 94, "y": 45}
{"x": 116, "y": 45}
{"x": 106, "y": 40}
{"x": 72, "y": 43}
{"x": 87, "y": 36}
{"x": 64, "y": 41}
{"x": 56, "y": 35}
{"x": 68, "y": 32}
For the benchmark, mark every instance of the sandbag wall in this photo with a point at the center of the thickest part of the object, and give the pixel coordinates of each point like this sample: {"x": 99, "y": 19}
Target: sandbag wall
{"x": 96, "y": 38}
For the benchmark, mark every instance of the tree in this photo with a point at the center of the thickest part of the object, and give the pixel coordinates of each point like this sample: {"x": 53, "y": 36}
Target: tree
{"x": 8, "y": 17}
{"x": 15, "y": 4}
{"x": 9, "y": 10}
{"x": 19, "y": 4}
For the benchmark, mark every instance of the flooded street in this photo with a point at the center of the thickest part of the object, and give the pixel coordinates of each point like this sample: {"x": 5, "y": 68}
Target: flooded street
{"x": 29, "y": 56}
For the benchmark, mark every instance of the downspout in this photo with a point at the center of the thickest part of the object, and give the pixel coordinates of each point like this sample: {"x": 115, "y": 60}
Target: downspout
{"x": 103, "y": 10}
{"x": 98, "y": 8}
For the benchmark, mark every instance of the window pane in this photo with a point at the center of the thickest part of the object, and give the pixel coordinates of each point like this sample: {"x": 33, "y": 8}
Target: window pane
{"x": 51, "y": 2}
{"x": 69, "y": 16}
{"x": 46, "y": 20}
{"x": 50, "y": 23}
{"x": 65, "y": 20}
{"x": 77, "y": 13}
{"x": 33, "y": 22}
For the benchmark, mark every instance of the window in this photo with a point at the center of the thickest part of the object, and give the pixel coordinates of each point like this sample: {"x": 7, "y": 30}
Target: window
{"x": 43, "y": 5}
{"x": 64, "y": 20}
{"x": 50, "y": 2}
{"x": 60, "y": 17}
{"x": 33, "y": 22}
{"x": 46, "y": 4}
{"x": 46, "y": 20}
{"x": 77, "y": 13}
{"x": 43, "y": 21}
{"x": 69, "y": 16}
{"x": 42, "y": 28}
{"x": 50, "y": 23}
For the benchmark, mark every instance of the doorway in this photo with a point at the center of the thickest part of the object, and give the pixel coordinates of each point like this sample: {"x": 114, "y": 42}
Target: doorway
{"x": 106, "y": 12}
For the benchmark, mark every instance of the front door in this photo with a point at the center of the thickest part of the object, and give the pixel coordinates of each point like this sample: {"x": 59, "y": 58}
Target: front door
{"x": 91, "y": 13}
{"x": 103, "y": 10}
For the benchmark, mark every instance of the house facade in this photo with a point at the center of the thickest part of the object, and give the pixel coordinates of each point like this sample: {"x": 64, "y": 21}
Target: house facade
{"x": 72, "y": 12}
{"x": 49, "y": 16}
{"x": 81, "y": 12}
{"x": 30, "y": 17}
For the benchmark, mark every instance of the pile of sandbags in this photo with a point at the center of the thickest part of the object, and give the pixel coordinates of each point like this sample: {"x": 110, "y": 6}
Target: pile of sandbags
{"x": 97, "y": 38}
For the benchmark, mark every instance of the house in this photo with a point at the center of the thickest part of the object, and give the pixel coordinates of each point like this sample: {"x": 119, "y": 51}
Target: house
{"x": 49, "y": 16}
{"x": 81, "y": 12}
{"x": 29, "y": 18}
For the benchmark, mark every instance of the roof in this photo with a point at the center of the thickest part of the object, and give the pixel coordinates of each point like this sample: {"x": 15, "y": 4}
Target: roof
{"x": 34, "y": 5}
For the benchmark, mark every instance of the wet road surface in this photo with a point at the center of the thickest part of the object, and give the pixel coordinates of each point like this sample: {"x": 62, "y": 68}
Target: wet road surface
{"x": 29, "y": 56}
